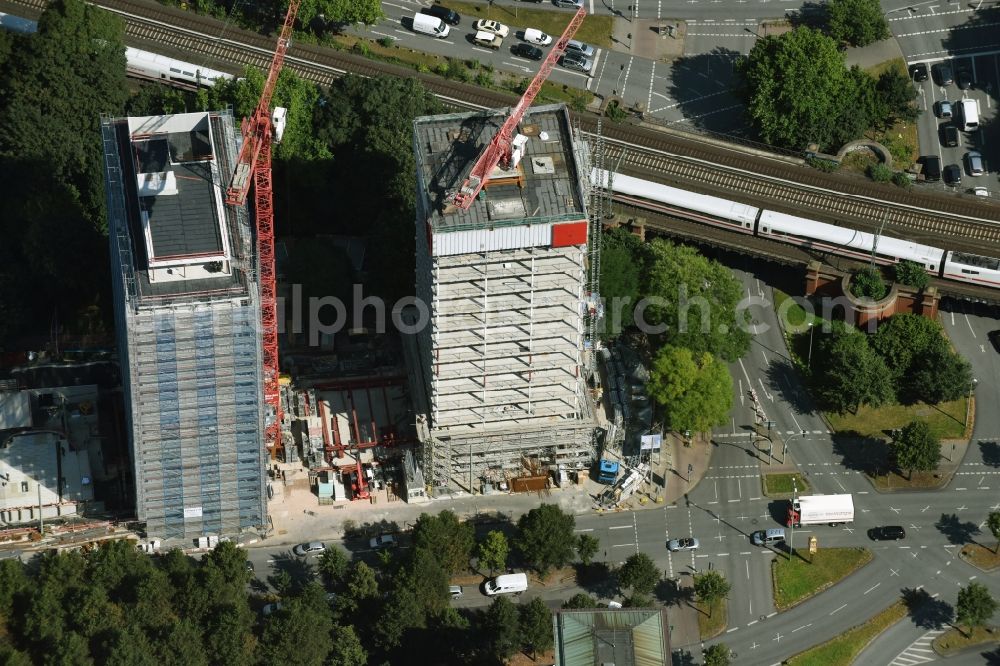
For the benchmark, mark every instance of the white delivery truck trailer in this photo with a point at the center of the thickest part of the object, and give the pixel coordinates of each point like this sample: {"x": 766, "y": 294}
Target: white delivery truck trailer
{"x": 820, "y": 510}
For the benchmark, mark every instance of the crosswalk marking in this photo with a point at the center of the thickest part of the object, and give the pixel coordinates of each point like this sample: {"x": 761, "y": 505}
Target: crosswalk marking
{"x": 919, "y": 651}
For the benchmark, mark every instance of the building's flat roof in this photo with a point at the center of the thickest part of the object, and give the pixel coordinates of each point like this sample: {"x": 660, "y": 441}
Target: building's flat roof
{"x": 547, "y": 177}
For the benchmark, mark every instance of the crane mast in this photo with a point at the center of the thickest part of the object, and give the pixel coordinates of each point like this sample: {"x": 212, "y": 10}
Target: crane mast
{"x": 255, "y": 160}
{"x": 500, "y": 147}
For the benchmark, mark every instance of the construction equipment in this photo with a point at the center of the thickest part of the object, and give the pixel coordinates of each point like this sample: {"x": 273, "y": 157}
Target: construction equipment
{"x": 255, "y": 160}
{"x": 625, "y": 486}
{"x": 501, "y": 147}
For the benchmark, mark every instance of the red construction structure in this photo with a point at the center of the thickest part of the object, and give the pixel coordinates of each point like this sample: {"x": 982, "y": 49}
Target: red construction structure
{"x": 501, "y": 146}
{"x": 255, "y": 160}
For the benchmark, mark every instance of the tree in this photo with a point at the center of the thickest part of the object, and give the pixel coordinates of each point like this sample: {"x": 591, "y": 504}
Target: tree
{"x": 622, "y": 256}
{"x": 856, "y": 22}
{"x": 580, "y": 600}
{"x": 361, "y": 583}
{"x": 545, "y": 537}
{"x": 586, "y": 548}
{"x": 694, "y": 390}
{"x": 536, "y": 626}
{"x": 448, "y": 538}
{"x": 939, "y": 375}
{"x": 993, "y": 522}
{"x": 909, "y": 272}
{"x": 501, "y": 626}
{"x": 916, "y": 448}
{"x": 639, "y": 574}
{"x": 711, "y": 587}
{"x": 867, "y": 282}
{"x": 853, "y": 374}
{"x": 905, "y": 337}
{"x": 975, "y": 606}
{"x": 342, "y": 12}
{"x": 492, "y": 552}
{"x": 333, "y": 565}
{"x": 298, "y": 634}
{"x": 717, "y": 655}
{"x": 183, "y": 645}
{"x": 898, "y": 93}
{"x": 799, "y": 91}
{"x": 347, "y": 648}
{"x": 696, "y": 300}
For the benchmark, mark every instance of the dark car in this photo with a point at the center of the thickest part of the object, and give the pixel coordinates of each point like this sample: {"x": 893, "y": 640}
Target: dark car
{"x": 918, "y": 71}
{"x": 964, "y": 78}
{"x": 953, "y": 174}
{"x": 527, "y": 51}
{"x": 449, "y": 16}
{"x": 887, "y": 533}
{"x": 994, "y": 337}
{"x": 932, "y": 167}
{"x": 949, "y": 135}
{"x": 943, "y": 75}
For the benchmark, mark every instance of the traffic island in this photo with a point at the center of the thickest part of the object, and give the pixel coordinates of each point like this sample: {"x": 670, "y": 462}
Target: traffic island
{"x": 844, "y": 649}
{"x": 805, "y": 575}
{"x": 780, "y": 485}
{"x": 984, "y": 558}
{"x": 712, "y": 621}
{"x": 954, "y": 640}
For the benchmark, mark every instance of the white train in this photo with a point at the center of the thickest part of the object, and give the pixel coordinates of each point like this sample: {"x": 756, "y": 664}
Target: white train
{"x": 716, "y": 211}
{"x": 141, "y": 64}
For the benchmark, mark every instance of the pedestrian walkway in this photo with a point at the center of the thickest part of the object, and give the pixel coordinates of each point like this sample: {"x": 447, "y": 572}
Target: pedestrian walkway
{"x": 919, "y": 651}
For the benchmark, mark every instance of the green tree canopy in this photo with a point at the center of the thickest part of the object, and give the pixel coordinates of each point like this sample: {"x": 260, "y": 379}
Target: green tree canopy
{"x": 916, "y": 448}
{"x": 853, "y": 374}
{"x": 799, "y": 91}
{"x": 898, "y": 94}
{"x": 545, "y": 537}
{"x": 975, "y": 606}
{"x": 903, "y": 338}
{"x": 939, "y": 375}
{"x": 536, "y": 626}
{"x": 622, "y": 261}
{"x": 856, "y": 22}
{"x": 868, "y": 283}
{"x": 587, "y": 546}
{"x": 711, "y": 587}
{"x": 909, "y": 272}
{"x": 696, "y": 299}
{"x": 580, "y": 600}
{"x": 694, "y": 391}
{"x": 502, "y": 627}
{"x": 717, "y": 655}
{"x": 639, "y": 574}
{"x": 493, "y": 551}
{"x": 993, "y": 523}
{"x": 333, "y": 565}
{"x": 447, "y": 537}
{"x": 342, "y": 12}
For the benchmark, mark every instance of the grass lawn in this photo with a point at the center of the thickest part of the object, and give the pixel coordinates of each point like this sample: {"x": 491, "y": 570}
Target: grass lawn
{"x": 953, "y": 640}
{"x": 595, "y": 30}
{"x": 842, "y": 650}
{"x": 901, "y": 134}
{"x": 781, "y": 484}
{"x": 899, "y": 480}
{"x": 710, "y": 627}
{"x": 981, "y": 557}
{"x": 947, "y": 420}
{"x": 796, "y": 580}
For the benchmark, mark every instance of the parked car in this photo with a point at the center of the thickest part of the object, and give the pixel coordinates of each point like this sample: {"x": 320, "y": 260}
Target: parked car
{"x": 489, "y": 25}
{"x": 449, "y": 16}
{"x": 994, "y": 337}
{"x": 689, "y": 543}
{"x": 527, "y": 51}
{"x": 974, "y": 162}
{"x": 964, "y": 79}
{"x": 538, "y": 37}
{"x": 919, "y": 72}
{"x": 983, "y": 192}
{"x": 572, "y": 4}
{"x": 931, "y": 167}
{"x": 887, "y": 533}
{"x": 577, "y": 62}
{"x": 953, "y": 174}
{"x": 382, "y": 541}
{"x": 455, "y": 591}
{"x": 944, "y": 109}
{"x": 949, "y": 135}
{"x": 586, "y": 50}
{"x": 271, "y": 608}
{"x": 311, "y": 548}
{"x": 943, "y": 75}
{"x": 250, "y": 569}
{"x": 490, "y": 40}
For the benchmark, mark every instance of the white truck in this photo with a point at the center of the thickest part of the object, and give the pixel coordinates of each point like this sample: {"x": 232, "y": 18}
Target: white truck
{"x": 820, "y": 510}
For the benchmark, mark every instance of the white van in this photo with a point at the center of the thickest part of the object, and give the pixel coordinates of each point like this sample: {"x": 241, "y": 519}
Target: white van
{"x": 507, "y": 584}
{"x": 430, "y": 25}
{"x": 969, "y": 111}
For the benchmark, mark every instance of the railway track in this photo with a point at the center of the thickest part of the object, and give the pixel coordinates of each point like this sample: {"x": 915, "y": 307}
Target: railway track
{"x": 643, "y": 151}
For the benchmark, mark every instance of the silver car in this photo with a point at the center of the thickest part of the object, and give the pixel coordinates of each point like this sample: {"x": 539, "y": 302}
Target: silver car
{"x": 573, "y": 46}
{"x": 975, "y": 162}
{"x": 577, "y": 62}
{"x": 689, "y": 543}
{"x": 944, "y": 109}
{"x": 310, "y": 548}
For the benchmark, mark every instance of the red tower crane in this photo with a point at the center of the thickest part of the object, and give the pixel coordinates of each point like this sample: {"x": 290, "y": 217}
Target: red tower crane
{"x": 499, "y": 150}
{"x": 255, "y": 160}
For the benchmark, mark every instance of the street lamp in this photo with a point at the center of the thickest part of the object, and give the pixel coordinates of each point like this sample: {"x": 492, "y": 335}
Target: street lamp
{"x": 811, "y": 329}
{"x": 968, "y": 402}
{"x": 784, "y": 444}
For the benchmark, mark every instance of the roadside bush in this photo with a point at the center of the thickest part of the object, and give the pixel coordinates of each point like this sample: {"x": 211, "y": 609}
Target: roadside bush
{"x": 484, "y": 79}
{"x": 472, "y": 63}
{"x": 911, "y": 274}
{"x": 868, "y": 283}
{"x": 880, "y": 173}
{"x": 615, "y": 112}
{"x": 386, "y": 41}
{"x": 901, "y": 151}
{"x": 362, "y": 48}
{"x": 900, "y": 179}
{"x": 827, "y": 166}
{"x": 579, "y": 102}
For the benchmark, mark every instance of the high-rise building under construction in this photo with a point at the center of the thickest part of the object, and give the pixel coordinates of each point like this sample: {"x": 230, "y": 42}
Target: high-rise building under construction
{"x": 505, "y": 286}
{"x": 187, "y": 315}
